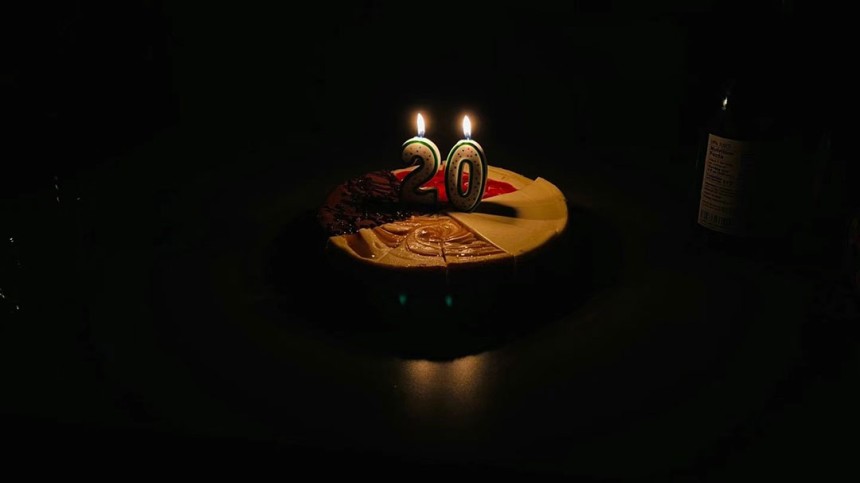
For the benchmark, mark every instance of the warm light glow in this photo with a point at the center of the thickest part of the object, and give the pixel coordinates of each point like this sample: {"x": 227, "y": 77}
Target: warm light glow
{"x": 456, "y": 385}
{"x": 725, "y": 101}
{"x": 420, "y": 126}
{"x": 467, "y": 127}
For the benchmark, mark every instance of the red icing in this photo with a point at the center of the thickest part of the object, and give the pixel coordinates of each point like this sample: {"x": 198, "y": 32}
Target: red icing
{"x": 492, "y": 188}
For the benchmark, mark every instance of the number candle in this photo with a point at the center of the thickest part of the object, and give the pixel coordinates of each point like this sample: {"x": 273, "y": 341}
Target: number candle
{"x": 466, "y": 152}
{"x": 422, "y": 152}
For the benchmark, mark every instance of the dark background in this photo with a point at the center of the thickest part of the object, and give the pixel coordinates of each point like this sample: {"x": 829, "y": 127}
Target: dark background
{"x": 102, "y": 79}
{"x": 142, "y": 116}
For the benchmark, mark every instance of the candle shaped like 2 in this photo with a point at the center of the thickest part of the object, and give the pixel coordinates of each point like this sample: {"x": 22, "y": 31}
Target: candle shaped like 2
{"x": 466, "y": 153}
{"x": 422, "y": 152}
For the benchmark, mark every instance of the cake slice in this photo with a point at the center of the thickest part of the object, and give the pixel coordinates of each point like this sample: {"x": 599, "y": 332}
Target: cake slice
{"x": 521, "y": 221}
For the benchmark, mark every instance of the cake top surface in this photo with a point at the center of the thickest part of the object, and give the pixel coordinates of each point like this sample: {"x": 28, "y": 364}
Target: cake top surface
{"x": 365, "y": 219}
{"x": 373, "y": 199}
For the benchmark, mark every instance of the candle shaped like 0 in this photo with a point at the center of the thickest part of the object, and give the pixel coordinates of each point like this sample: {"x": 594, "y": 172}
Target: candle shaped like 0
{"x": 466, "y": 152}
{"x": 424, "y": 153}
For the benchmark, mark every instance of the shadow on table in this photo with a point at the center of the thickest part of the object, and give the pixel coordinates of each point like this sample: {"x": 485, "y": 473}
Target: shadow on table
{"x": 420, "y": 316}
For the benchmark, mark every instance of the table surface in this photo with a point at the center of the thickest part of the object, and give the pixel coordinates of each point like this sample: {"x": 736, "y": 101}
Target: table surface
{"x": 662, "y": 358}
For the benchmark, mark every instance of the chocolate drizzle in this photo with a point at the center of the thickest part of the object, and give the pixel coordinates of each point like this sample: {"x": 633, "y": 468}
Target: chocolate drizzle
{"x": 366, "y": 201}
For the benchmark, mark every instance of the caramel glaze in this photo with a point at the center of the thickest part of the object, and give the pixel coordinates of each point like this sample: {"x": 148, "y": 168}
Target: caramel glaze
{"x": 435, "y": 235}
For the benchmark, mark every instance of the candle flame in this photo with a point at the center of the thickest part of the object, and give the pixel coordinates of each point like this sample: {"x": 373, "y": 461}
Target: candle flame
{"x": 420, "y": 126}
{"x": 725, "y": 101}
{"x": 467, "y": 127}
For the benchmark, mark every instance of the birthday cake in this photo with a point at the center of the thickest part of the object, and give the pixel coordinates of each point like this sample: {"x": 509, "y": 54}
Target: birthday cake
{"x": 367, "y": 222}
{"x": 445, "y": 242}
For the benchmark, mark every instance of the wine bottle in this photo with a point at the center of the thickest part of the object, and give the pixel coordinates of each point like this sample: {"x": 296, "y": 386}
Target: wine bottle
{"x": 754, "y": 165}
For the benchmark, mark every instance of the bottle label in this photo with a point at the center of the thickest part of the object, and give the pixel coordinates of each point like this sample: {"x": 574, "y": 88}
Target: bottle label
{"x": 721, "y": 202}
